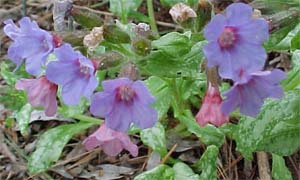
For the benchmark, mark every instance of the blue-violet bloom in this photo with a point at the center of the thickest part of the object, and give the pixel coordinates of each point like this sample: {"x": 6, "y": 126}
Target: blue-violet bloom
{"x": 40, "y": 92}
{"x": 235, "y": 41}
{"x": 124, "y": 102}
{"x": 30, "y": 43}
{"x": 112, "y": 142}
{"x": 74, "y": 72}
{"x": 248, "y": 95}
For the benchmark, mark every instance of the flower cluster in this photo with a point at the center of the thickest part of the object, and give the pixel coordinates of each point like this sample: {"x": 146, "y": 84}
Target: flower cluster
{"x": 235, "y": 47}
{"x": 122, "y": 103}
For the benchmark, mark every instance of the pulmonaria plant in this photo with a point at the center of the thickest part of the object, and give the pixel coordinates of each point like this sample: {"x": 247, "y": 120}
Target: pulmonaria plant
{"x": 235, "y": 41}
{"x": 235, "y": 47}
{"x": 30, "y": 43}
{"x": 123, "y": 102}
{"x": 40, "y": 92}
{"x": 249, "y": 93}
{"x": 112, "y": 142}
{"x": 74, "y": 72}
{"x": 210, "y": 111}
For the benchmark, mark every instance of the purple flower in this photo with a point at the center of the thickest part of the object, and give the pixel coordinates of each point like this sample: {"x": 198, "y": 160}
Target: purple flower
{"x": 40, "y": 92}
{"x": 112, "y": 142}
{"x": 249, "y": 93}
{"x": 235, "y": 41}
{"x": 30, "y": 43}
{"x": 124, "y": 102}
{"x": 210, "y": 111}
{"x": 74, "y": 72}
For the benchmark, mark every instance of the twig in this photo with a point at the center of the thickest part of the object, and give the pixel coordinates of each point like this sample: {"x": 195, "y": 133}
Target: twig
{"x": 168, "y": 154}
{"x": 111, "y": 14}
{"x": 263, "y": 166}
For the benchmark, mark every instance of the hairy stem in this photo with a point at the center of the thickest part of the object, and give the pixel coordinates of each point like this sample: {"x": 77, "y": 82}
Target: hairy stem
{"x": 151, "y": 17}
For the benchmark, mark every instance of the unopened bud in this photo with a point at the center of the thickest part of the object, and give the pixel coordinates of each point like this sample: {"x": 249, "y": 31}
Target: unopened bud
{"x": 142, "y": 29}
{"x": 114, "y": 34}
{"x": 108, "y": 60}
{"x": 141, "y": 46}
{"x": 94, "y": 38}
{"x": 130, "y": 71}
{"x": 181, "y": 12}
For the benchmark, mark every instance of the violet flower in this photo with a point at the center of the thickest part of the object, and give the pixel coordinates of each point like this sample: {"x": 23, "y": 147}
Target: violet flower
{"x": 235, "y": 41}
{"x": 74, "y": 72}
{"x": 210, "y": 111}
{"x": 124, "y": 102}
{"x": 112, "y": 142}
{"x": 30, "y": 43}
{"x": 249, "y": 93}
{"x": 40, "y": 92}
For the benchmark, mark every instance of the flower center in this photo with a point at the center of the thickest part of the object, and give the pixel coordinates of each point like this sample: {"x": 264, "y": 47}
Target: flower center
{"x": 228, "y": 37}
{"x": 84, "y": 70}
{"x": 125, "y": 93}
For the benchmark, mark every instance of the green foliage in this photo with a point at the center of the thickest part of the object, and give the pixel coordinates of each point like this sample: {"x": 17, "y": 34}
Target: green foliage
{"x": 183, "y": 171}
{"x": 279, "y": 169}
{"x": 208, "y": 164}
{"x": 166, "y": 61}
{"x": 23, "y": 118}
{"x": 276, "y": 129}
{"x": 160, "y": 172}
{"x": 123, "y": 8}
{"x": 173, "y": 44}
{"x": 71, "y": 110}
{"x": 293, "y": 79}
{"x": 170, "y": 3}
{"x": 86, "y": 18}
{"x": 208, "y": 134}
{"x": 162, "y": 93}
{"x": 155, "y": 138}
{"x": 50, "y": 145}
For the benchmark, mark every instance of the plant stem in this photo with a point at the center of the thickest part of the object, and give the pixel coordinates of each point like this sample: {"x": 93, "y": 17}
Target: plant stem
{"x": 151, "y": 17}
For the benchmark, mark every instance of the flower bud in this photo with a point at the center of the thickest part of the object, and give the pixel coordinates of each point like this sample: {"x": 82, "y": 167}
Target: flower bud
{"x": 141, "y": 46}
{"x": 114, "y": 34}
{"x": 94, "y": 38}
{"x": 130, "y": 71}
{"x": 181, "y": 12}
{"x": 210, "y": 111}
{"x": 108, "y": 59}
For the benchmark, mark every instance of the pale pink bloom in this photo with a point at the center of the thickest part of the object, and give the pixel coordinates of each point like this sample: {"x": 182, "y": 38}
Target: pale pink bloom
{"x": 181, "y": 12}
{"x": 112, "y": 142}
{"x": 40, "y": 92}
{"x": 210, "y": 111}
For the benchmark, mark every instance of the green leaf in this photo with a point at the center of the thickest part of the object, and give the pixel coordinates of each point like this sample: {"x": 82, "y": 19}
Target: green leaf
{"x": 208, "y": 134}
{"x": 173, "y": 44}
{"x": 50, "y": 145}
{"x": 285, "y": 44}
{"x": 160, "y": 63}
{"x": 162, "y": 171}
{"x": 86, "y": 18}
{"x": 183, "y": 171}
{"x": 170, "y": 3}
{"x": 160, "y": 90}
{"x": 122, "y": 8}
{"x": 295, "y": 43}
{"x": 155, "y": 138}
{"x": 293, "y": 79}
{"x": 23, "y": 118}
{"x": 208, "y": 164}
{"x": 276, "y": 129}
{"x": 71, "y": 110}
{"x": 279, "y": 169}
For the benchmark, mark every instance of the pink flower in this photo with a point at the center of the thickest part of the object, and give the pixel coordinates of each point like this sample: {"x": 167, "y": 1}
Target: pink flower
{"x": 210, "y": 111}
{"x": 112, "y": 142}
{"x": 40, "y": 92}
